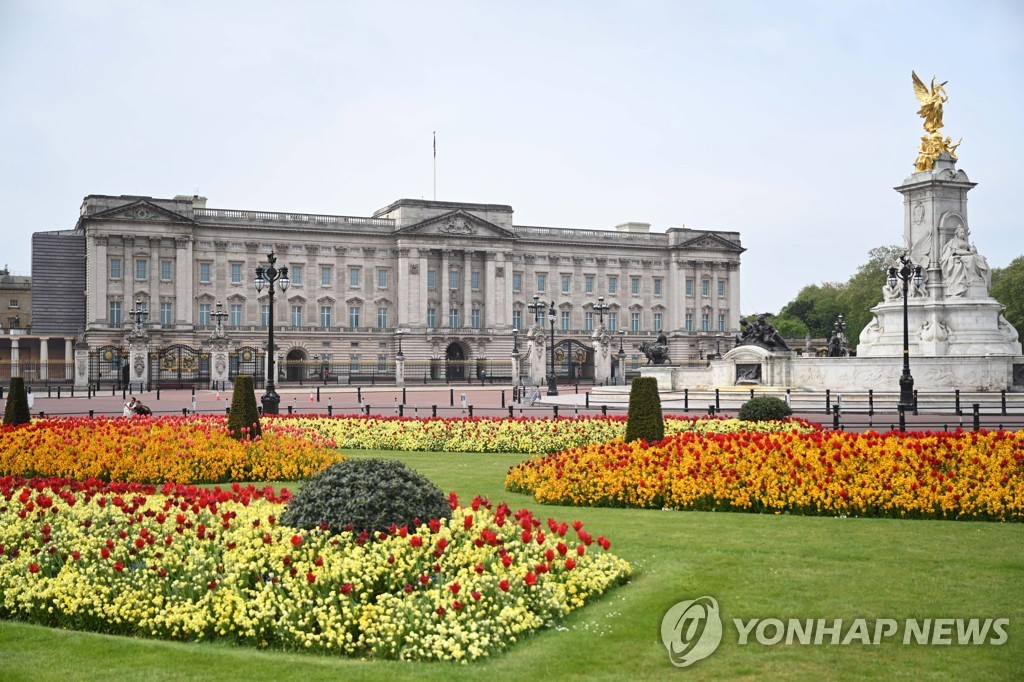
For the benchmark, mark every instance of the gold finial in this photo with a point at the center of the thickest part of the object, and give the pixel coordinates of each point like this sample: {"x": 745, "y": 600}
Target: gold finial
{"x": 933, "y": 144}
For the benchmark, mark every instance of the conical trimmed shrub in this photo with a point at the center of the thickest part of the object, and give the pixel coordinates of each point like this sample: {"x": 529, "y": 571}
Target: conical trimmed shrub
{"x": 645, "y": 420}
{"x": 244, "y": 420}
{"x": 17, "y": 411}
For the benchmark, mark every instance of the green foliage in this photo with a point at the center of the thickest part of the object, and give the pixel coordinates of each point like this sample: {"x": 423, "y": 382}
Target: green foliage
{"x": 366, "y": 494}
{"x": 764, "y": 408}
{"x": 644, "y": 420}
{"x": 790, "y": 328}
{"x": 17, "y": 411}
{"x": 1008, "y": 289}
{"x": 817, "y": 307}
{"x": 244, "y": 413}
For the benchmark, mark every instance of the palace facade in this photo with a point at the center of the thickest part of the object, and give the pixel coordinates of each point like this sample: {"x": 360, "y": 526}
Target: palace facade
{"x": 454, "y": 279}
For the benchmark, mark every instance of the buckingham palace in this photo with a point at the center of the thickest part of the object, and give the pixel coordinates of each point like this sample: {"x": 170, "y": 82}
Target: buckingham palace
{"x": 452, "y": 286}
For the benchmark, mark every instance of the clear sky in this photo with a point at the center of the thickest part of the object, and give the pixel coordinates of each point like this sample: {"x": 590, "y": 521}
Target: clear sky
{"x": 789, "y": 122}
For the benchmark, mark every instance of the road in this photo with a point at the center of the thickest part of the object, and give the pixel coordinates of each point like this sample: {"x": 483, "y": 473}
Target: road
{"x": 496, "y": 401}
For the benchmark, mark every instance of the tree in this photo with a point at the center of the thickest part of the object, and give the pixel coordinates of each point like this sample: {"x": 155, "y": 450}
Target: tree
{"x": 17, "y": 411}
{"x": 818, "y": 306}
{"x": 244, "y": 420}
{"x": 1008, "y": 289}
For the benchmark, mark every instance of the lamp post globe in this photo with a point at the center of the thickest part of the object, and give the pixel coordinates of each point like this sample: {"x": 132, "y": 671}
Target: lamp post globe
{"x": 272, "y": 278}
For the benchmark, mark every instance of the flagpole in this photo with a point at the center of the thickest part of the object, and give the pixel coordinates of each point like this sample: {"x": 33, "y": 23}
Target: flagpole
{"x": 435, "y": 165}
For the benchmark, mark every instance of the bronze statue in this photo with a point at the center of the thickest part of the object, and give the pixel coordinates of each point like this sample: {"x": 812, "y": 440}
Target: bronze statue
{"x": 656, "y": 352}
{"x": 933, "y": 144}
{"x": 760, "y": 333}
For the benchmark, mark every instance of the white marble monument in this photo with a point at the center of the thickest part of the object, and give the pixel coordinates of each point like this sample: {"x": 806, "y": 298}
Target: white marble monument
{"x": 952, "y": 313}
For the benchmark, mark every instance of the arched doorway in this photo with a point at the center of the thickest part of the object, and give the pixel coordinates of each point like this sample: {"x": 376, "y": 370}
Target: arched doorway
{"x": 295, "y": 364}
{"x": 455, "y": 362}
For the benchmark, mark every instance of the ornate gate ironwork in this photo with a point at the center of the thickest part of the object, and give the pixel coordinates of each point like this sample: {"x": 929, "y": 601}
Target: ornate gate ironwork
{"x": 179, "y": 366}
{"x": 573, "y": 361}
{"x": 108, "y": 366}
{"x": 248, "y": 360}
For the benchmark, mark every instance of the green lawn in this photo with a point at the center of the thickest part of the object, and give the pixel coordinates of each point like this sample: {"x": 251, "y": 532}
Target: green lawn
{"x": 755, "y": 566}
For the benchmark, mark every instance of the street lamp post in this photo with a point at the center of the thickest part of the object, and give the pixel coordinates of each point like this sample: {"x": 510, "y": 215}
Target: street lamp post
{"x": 601, "y": 308}
{"x": 138, "y": 315}
{"x": 905, "y": 274}
{"x": 552, "y": 383}
{"x": 622, "y": 356}
{"x": 398, "y": 335}
{"x": 270, "y": 276}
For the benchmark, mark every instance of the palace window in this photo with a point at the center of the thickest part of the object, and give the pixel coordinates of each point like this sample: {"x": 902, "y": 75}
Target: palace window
{"x": 204, "y": 314}
{"x": 326, "y": 275}
{"x": 236, "y": 273}
{"x": 235, "y": 320}
{"x": 166, "y": 313}
{"x": 657, "y": 286}
{"x": 657, "y": 322}
{"x": 353, "y": 316}
{"x": 165, "y": 271}
{"x": 588, "y": 284}
{"x": 382, "y": 318}
{"x": 141, "y": 268}
{"x": 115, "y": 312}
{"x": 613, "y": 284}
{"x": 296, "y": 274}
{"x": 634, "y": 322}
{"x": 325, "y": 316}
{"x": 296, "y": 315}
{"x": 517, "y": 281}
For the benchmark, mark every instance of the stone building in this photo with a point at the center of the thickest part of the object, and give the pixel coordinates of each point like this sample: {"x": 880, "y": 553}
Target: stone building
{"x": 15, "y": 300}
{"x": 15, "y": 320}
{"x": 454, "y": 279}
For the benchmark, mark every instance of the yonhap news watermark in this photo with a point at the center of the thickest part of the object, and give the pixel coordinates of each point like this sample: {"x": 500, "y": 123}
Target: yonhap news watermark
{"x": 693, "y": 629}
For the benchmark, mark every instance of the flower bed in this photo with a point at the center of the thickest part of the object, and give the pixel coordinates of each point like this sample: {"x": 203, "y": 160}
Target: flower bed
{"x": 525, "y": 435}
{"x": 200, "y": 564}
{"x": 920, "y": 475}
{"x": 195, "y": 449}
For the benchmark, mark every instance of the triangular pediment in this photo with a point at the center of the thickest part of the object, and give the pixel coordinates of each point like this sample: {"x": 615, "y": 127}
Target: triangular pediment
{"x": 710, "y": 242}
{"x": 141, "y": 211}
{"x": 458, "y": 224}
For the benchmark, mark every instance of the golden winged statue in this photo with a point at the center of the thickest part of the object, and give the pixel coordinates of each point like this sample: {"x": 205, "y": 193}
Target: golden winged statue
{"x": 931, "y": 102}
{"x": 932, "y": 145}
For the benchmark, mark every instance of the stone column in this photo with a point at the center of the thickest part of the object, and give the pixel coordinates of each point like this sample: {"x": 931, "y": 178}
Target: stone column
{"x": 467, "y": 288}
{"x": 82, "y": 365}
{"x": 536, "y": 342}
{"x": 490, "y": 293}
{"x": 602, "y": 356}
{"x": 97, "y": 285}
{"x": 424, "y": 293}
{"x": 445, "y": 292}
{"x": 734, "y": 297}
{"x": 69, "y": 357}
{"x": 219, "y": 363}
{"x": 44, "y": 358}
{"x": 400, "y": 370}
{"x": 183, "y": 282}
{"x": 15, "y": 357}
{"x": 138, "y": 359}
{"x": 406, "y": 283}
{"x": 128, "y": 281}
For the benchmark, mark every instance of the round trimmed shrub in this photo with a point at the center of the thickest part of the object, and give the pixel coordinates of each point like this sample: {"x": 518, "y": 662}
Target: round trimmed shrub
{"x": 244, "y": 413}
{"x": 16, "y": 412}
{"x": 645, "y": 419}
{"x": 366, "y": 495}
{"x": 763, "y": 409}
